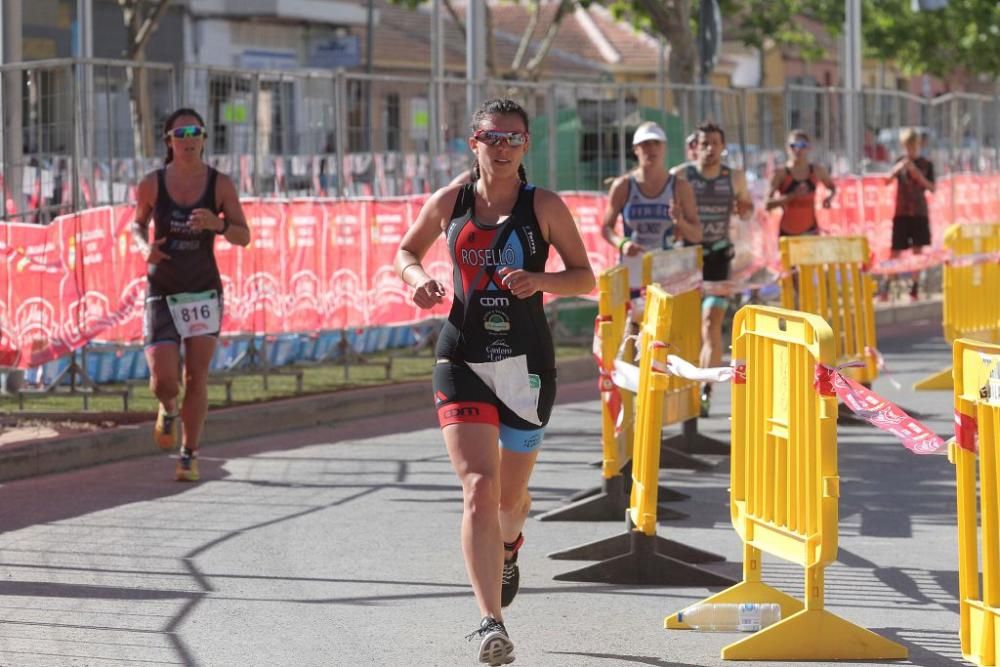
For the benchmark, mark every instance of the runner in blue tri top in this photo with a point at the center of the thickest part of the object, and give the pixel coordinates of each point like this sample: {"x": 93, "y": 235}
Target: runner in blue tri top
{"x": 656, "y": 208}
{"x": 718, "y": 190}
{"x": 494, "y": 381}
{"x": 190, "y": 204}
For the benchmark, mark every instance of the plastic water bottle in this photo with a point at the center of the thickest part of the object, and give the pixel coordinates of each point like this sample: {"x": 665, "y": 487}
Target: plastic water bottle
{"x": 748, "y": 617}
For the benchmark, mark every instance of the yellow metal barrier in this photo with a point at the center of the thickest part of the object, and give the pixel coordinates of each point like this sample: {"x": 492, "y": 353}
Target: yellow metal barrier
{"x": 613, "y": 307}
{"x": 648, "y": 559}
{"x": 606, "y": 502}
{"x": 825, "y": 275}
{"x": 785, "y": 487}
{"x": 653, "y": 386}
{"x": 678, "y": 272}
{"x": 977, "y": 404}
{"x": 672, "y": 270}
{"x": 971, "y": 291}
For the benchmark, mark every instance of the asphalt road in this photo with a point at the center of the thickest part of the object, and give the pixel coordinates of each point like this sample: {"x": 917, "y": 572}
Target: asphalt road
{"x": 340, "y": 546}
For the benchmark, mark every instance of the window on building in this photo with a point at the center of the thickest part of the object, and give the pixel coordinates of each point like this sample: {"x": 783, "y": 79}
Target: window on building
{"x": 391, "y": 122}
{"x": 230, "y": 114}
{"x": 356, "y": 138}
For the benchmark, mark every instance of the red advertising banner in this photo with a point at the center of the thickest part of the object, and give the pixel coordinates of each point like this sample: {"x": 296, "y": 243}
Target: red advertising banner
{"x": 437, "y": 264}
{"x": 258, "y": 305}
{"x": 9, "y": 353}
{"x": 129, "y": 291}
{"x": 346, "y": 249}
{"x": 88, "y": 285}
{"x": 35, "y": 270}
{"x": 387, "y": 297}
{"x": 305, "y": 265}
{"x": 321, "y": 264}
{"x": 588, "y": 212}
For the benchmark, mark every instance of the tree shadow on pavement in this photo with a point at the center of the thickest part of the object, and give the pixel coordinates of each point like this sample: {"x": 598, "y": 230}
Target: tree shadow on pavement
{"x": 74, "y": 493}
{"x": 633, "y": 659}
{"x": 928, "y": 648}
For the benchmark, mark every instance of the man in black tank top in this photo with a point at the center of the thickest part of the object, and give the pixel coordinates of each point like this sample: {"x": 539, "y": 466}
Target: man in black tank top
{"x": 719, "y": 190}
{"x": 494, "y": 380}
{"x": 184, "y": 297}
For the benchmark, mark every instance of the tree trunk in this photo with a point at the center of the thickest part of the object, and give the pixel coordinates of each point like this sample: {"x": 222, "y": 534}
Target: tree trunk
{"x": 455, "y": 17}
{"x": 534, "y": 67}
{"x": 672, "y": 19}
{"x": 491, "y": 59}
{"x": 529, "y": 30}
{"x": 130, "y": 15}
{"x": 139, "y": 29}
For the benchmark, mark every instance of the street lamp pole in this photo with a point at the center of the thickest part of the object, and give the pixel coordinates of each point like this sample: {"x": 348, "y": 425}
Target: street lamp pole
{"x": 852, "y": 83}
{"x": 475, "y": 52}
{"x": 436, "y": 107}
{"x": 12, "y": 147}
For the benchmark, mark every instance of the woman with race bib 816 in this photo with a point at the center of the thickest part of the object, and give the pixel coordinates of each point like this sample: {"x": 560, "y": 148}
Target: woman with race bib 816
{"x": 190, "y": 204}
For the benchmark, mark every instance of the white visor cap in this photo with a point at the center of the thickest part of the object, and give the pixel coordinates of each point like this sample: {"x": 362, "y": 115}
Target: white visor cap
{"x": 649, "y": 133}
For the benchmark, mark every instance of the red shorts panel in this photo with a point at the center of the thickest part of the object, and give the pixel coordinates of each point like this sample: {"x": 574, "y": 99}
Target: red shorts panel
{"x": 468, "y": 412}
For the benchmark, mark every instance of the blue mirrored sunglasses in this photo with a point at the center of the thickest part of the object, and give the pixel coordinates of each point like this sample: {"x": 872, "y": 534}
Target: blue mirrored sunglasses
{"x": 186, "y": 132}
{"x": 799, "y": 144}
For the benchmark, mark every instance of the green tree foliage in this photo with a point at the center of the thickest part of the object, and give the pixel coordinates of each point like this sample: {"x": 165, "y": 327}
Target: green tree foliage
{"x": 670, "y": 19}
{"x": 966, "y": 35}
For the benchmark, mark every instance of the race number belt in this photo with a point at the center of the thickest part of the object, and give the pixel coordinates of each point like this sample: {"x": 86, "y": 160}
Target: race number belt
{"x": 195, "y": 313}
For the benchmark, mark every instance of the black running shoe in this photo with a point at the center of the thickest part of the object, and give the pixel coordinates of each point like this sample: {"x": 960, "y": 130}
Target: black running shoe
{"x": 495, "y": 647}
{"x": 511, "y": 581}
{"x": 706, "y": 401}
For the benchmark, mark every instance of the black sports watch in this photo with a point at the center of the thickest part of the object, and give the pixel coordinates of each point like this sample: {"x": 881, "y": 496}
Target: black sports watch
{"x": 225, "y": 226}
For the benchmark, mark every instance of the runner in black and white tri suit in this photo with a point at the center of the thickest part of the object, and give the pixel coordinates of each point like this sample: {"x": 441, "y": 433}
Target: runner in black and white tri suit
{"x": 494, "y": 381}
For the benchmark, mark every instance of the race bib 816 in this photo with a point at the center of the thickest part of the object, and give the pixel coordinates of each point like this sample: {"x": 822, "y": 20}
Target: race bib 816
{"x": 195, "y": 313}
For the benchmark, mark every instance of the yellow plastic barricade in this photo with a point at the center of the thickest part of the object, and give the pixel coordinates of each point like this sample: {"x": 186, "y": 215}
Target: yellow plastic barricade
{"x": 639, "y": 556}
{"x": 971, "y": 290}
{"x": 977, "y": 408}
{"x": 785, "y": 487}
{"x": 605, "y": 503}
{"x": 673, "y": 270}
{"x": 825, "y": 275}
{"x": 678, "y": 272}
{"x": 613, "y": 311}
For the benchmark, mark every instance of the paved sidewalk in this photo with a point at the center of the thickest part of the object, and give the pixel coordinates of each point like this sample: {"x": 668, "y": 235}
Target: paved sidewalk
{"x": 339, "y": 546}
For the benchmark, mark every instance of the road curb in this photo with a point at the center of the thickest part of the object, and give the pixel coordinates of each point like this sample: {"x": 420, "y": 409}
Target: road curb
{"x": 53, "y": 455}
{"x": 59, "y": 454}
{"x": 930, "y": 309}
